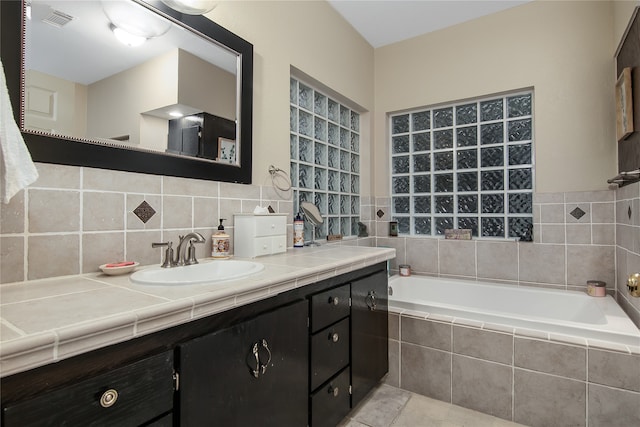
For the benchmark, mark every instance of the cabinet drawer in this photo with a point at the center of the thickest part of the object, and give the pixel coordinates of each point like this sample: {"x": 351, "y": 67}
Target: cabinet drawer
{"x": 329, "y": 352}
{"x": 270, "y": 225}
{"x": 331, "y": 402}
{"x": 127, "y": 396}
{"x": 270, "y": 245}
{"x": 329, "y": 306}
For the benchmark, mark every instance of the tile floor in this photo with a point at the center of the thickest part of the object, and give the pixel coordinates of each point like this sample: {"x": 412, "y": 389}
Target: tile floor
{"x": 388, "y": 406}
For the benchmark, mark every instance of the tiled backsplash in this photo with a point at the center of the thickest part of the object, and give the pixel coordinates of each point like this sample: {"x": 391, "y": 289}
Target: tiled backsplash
{"x": 74, "y": 219}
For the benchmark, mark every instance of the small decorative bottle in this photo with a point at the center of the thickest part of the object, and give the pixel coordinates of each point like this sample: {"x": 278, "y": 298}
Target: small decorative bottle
{"x": 220, "y": 246}
{"x": 298, "y": 232}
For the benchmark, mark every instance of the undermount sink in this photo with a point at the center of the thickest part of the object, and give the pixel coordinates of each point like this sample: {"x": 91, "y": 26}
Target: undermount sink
{"x": 205, "y": 272}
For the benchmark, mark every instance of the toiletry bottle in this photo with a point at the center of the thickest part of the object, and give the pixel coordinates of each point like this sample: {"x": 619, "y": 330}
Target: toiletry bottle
{"x": 220, "y": 246}
{"x": 298, "y": 232}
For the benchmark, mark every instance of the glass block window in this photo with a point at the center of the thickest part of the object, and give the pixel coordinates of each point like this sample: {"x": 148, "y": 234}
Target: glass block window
{"x": 325, "y": 159}
{"x": 464, "y": 165}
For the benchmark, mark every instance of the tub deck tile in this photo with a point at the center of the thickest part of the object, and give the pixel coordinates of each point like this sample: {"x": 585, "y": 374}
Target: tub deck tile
{"x": 606, "y": 345}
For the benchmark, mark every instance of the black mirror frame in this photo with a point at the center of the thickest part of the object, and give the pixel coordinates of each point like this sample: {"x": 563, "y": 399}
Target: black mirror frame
{"x": 65, "y": 151}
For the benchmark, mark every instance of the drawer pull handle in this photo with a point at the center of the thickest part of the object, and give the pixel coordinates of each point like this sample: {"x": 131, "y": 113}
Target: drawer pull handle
{"x": 370, "y": 300}
{"x": 334, "y": 337}
{"x": 334, "y": 300}
{"x": 261, "y": 368}
{"x": 334, "y": 391}
{"x": 108, "y": 398}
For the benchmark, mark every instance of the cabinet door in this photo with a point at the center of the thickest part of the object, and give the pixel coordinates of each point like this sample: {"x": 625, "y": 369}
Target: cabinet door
{"x": 254, "y": 373}
{"x": 127, "y": 396}
{"x": 369, "y": 333}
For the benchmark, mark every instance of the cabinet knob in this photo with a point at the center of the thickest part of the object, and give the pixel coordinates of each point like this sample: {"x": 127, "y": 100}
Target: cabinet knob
{"x": 108, "y": 398}
{"x": 334, "y": 300}
{"x": 334, "y": 337}
{"x": 334, "y": 391}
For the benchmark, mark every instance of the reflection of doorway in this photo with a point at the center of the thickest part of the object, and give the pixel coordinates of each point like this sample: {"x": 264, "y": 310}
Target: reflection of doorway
{"x": 197, "y": 135}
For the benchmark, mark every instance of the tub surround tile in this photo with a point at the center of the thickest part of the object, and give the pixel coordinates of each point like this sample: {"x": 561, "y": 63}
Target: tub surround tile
{"x": 486, "y": 345}
{"x": 552, "y": 257}
{"x": 541, "y": 400}
{"x": 578, "y": 213}
{"x": 422, "y": 255}
{"x": 615, "y": 369}
{"x": 426, "y": 371}
{"x": 603, "y": 213}
{"x": 393, "y": 376}
{"x": 482, "y": 386}
{"x": 552, "y": 213}
{"x": 579, "y": 234}
{"x": 551, "y": 358}
{"x": 610, "y": 407}
{"x": 457, "y": 258}
{"x": 394, "y": 326}
{"x": 603, "y": 234}
{"x": 552, "y": 233}
{"x": 489, "y": 252}
{"x": 590, "y": 263}
{"x": 427, "y": 334}
{"x": 546, "y": 198}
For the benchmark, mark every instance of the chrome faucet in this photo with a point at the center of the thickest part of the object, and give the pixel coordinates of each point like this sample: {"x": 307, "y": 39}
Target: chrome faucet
{"x": 190, "y": 238}
{"x": 180, "y": 259}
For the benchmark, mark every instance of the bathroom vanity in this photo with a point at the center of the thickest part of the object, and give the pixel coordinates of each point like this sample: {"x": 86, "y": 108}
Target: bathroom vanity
{"x": 301, "y": 356}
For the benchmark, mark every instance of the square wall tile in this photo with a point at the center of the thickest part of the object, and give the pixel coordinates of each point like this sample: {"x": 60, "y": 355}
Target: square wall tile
{"x": 589, "y": 262}
{"x": 542, "y": 263}
{"x": 177, "y": 212}
{"x": 552, "y": 214}
{"x": 422, "y": 255}
{"x": 425, "y": 371}
{"x": 551, "y": 358}
{"x": 101, "y": 248}
{"x": 124, "y": 182}
{"x": 426, "y": 333}
{"x": 482, "y": 386}
{"x": 12, "y": 259}
{"x": 542, "y": 400}
{"x": 610, "y": 407}
{"x": 552, "y": 233}
{"x": 489, "y": 252}
{"x": 487, "y": 345}
{"x": 54, "y": 211}
{"x": 613, "y": 369}
{"x": 42, "y": 262}
{"x": 457, "y": 258}
{"x": 57, "y": 176}
{"x": 12, "y": 215}
{"x": 138, "y": 247}
{"x": 102, "y": 211}
{"x": 133, "y": 221}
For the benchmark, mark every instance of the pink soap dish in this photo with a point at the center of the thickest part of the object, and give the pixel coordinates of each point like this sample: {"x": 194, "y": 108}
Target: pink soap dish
{"x": 117, "y": 268}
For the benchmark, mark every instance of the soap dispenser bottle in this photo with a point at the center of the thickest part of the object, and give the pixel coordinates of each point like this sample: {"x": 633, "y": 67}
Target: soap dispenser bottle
{"x": 220, "y": 246}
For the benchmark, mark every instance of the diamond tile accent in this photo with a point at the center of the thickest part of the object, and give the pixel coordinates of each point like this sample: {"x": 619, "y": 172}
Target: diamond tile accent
{"x": 380, "y": 213}
{"x": 144, "y": 211}
{"x": 577, "y": 213}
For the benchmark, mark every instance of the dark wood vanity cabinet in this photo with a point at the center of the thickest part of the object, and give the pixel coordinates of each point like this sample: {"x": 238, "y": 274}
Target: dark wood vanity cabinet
{"x": 253, "y": 373}
{"x": 302, "y": 357}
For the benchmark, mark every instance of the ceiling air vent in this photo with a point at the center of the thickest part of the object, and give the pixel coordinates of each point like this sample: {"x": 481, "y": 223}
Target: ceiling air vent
{"x": 57, "y": 19}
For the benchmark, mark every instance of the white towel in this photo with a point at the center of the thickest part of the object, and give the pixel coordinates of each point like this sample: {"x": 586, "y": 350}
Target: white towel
{"x": 16, "y": 167}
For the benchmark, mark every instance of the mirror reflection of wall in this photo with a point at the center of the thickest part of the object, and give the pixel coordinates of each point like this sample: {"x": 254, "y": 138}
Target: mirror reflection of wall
{"x": 106, "y": 91}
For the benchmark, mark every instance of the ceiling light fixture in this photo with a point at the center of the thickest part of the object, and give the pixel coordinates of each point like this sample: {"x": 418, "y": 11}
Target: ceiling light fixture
{"x": 175, "y": 114}
{"x": 127, "y": 38}
{"x": 191, "y": 7}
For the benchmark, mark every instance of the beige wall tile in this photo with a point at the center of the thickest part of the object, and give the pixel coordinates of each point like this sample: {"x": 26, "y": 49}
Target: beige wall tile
{"x": 589, "y": 196}
{"x": 542, "y": 263}
{"x": 53, "y": 255}
{"x": 498, "y": 260}
{"x": 177, "y": 212}
{"x": 548, "y": 197}
{"x": 176, "y": 186}
{"x": 426, "y": 333}
{"x": 138, "y": 247}
{"x": 607, "y": 404}
{"x": 239, "y": 191}
{"x": 584, "y": 219}
{"x": 603, "y": 213}
{"x": 422, "y": 255}
{"x": 101, "y": 248}
{"x": 54, "y": 211}
{"x": 603, "y": 234}
{"x": 12, "y": 259}
{"x": 399, "y": 244}
{"x": 57, "y": 176}
{"x": 487, "y": 345}
{"x": 615, "y": 369}
{"x": 425, "y": 371}
{"x": 579, "y": 234}
{"x": 457, "y": 257}
{"x": 552, "y": 358}
{"x": 108, "y": 180}
{"x": 590, "y": 263}
{"x": 554, "y": 233}
{"x": 552, "y": 214}
{"x": 102, "y": 211}
{"x": 205, "y": 213}
{"x": 227, "y": 208}
{"x": 12, "y": 215}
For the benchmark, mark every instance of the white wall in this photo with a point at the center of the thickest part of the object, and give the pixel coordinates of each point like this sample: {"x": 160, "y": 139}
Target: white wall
{"x": 563, "y": 49}
{"x": 310, "y": 36}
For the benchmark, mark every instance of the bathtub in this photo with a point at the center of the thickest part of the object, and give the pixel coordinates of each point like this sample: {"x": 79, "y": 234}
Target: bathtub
{"x": 547, "y": 311}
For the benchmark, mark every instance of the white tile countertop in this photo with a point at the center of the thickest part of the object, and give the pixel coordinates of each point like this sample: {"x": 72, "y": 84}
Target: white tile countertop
{"x": 43, "y": 321}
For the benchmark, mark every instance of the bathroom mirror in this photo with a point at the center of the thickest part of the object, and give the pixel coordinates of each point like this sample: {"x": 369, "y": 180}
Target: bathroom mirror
{"x": 179, "y": 104}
